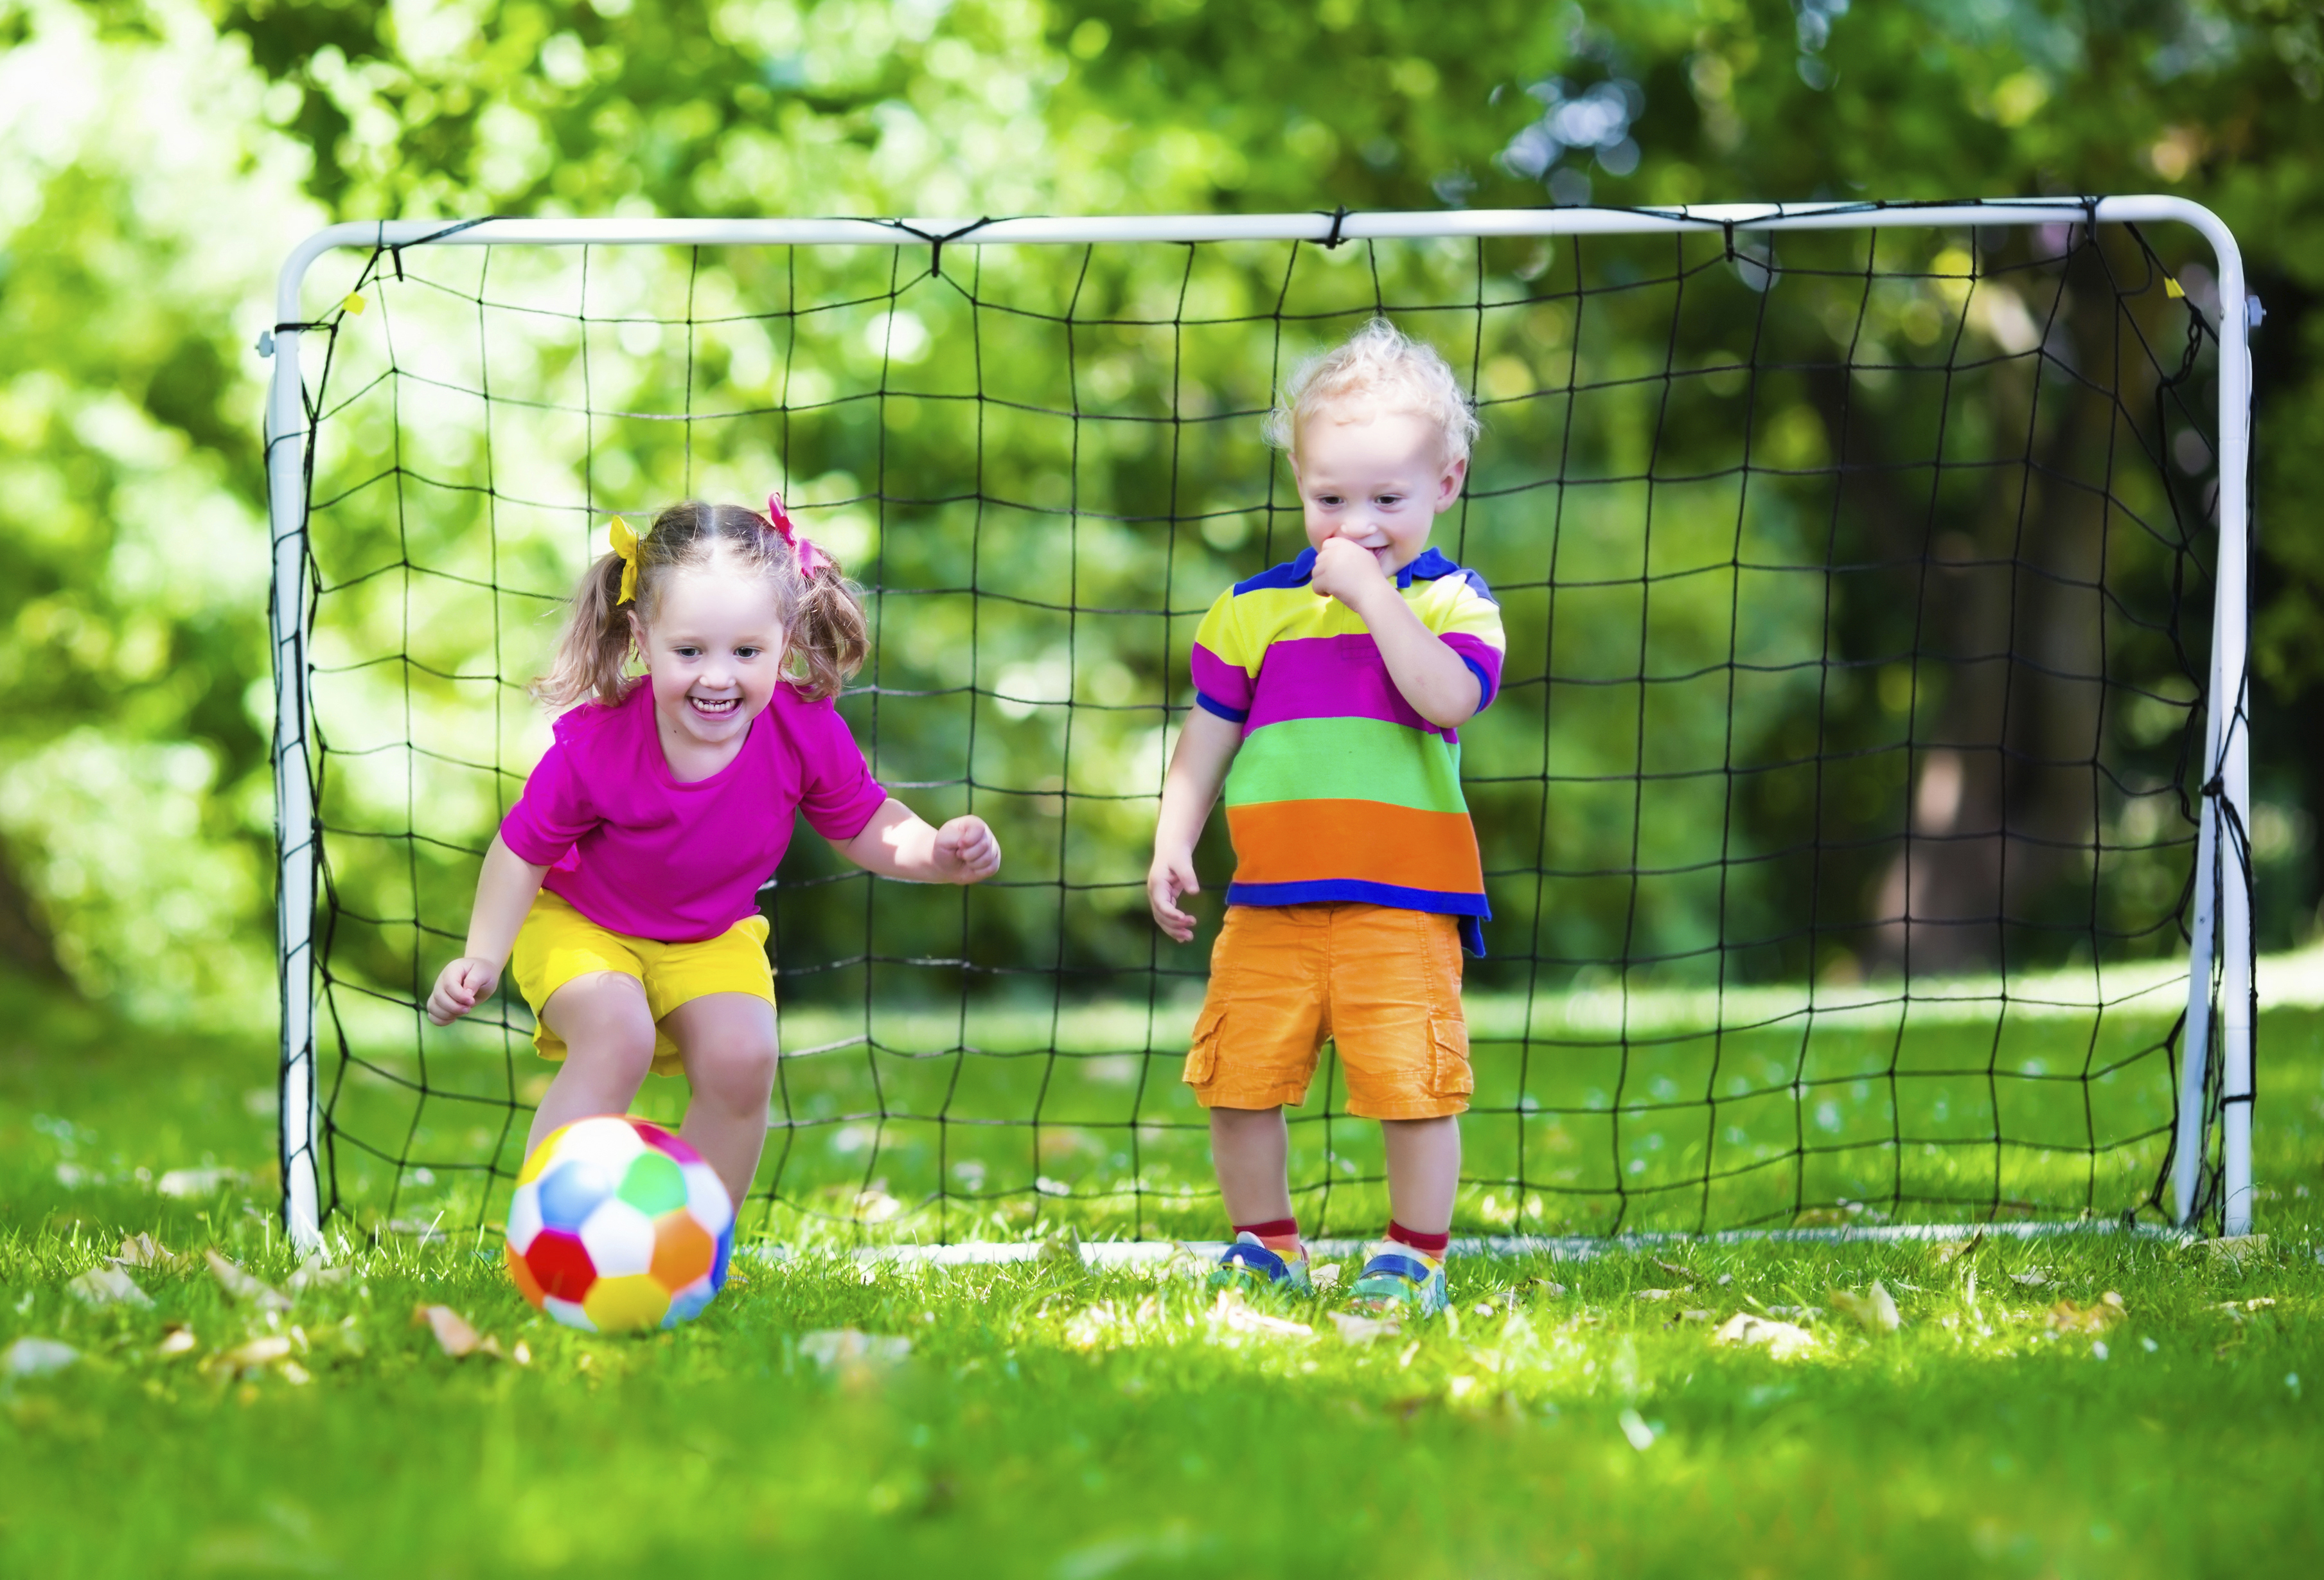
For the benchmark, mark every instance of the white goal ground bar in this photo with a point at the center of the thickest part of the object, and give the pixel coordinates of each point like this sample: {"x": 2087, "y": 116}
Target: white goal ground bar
{"x": 2222, "y": 923}
{"x": 1111, "y": 1255}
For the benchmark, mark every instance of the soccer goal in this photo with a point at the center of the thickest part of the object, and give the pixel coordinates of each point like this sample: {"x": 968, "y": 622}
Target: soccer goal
{"x": 1863, "y": 813}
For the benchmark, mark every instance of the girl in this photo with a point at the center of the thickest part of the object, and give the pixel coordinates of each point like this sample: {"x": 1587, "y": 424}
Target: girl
{"x": 626, "y": 876}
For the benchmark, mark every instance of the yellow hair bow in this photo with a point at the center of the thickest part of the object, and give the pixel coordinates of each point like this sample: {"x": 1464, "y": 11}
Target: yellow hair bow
{"x": 625, "y": 544}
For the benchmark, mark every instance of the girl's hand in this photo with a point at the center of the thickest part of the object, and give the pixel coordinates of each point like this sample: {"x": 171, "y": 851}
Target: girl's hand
{"x": 464, "y": 984}
{"x": 966, "y": 852}
{"x": 1167, "y": 880}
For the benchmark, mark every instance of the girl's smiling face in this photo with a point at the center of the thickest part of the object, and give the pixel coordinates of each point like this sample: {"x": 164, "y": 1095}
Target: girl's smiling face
{"x": 713, "y": 656}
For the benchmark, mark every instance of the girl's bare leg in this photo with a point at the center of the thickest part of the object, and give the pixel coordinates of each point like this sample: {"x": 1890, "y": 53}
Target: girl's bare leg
{"x": 1424, "y": 1171}
{"x": 728, "y": 1042}
{"x": 609, "y": 1042}
{"x": 1250, "y": 1148}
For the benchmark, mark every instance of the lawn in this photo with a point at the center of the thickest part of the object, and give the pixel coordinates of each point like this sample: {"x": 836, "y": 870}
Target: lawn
{"x": 1579, "y": 1415}
{"x": 1595, "y": 1111}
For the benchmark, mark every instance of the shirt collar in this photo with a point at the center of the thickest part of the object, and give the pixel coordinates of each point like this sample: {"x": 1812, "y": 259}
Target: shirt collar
{"x": 1428, "y": 565}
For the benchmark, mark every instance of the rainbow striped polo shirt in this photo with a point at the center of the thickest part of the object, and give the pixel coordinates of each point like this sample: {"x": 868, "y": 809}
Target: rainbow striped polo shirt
{"x": 1341, "y": 791}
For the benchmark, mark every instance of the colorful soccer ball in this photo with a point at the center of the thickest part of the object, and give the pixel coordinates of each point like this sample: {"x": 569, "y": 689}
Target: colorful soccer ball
{"x": 618, "y": 1224}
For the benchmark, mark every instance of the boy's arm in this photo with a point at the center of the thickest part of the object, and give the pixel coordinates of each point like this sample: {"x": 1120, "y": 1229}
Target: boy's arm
{"x": 1442, "y": 689}
{"x": 1206, "y": 748}
{"x": 897, "y": 843}
{"x": 504, "y": 892}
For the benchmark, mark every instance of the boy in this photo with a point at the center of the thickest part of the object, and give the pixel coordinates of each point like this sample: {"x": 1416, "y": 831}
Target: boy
{"x": 1329, "y": 691}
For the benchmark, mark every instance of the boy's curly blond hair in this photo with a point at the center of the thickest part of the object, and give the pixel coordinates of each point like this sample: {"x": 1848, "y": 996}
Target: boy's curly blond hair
{"x": 1380, "y": 368}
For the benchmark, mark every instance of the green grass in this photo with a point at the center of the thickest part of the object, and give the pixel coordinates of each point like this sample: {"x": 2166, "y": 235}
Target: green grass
{"x": 1050, "y": 1422}
{"x": 1593, "y": 1111}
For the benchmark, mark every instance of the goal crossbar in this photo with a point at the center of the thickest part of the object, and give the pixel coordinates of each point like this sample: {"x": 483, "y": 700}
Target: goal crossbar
{"x": 2221, "y": 927}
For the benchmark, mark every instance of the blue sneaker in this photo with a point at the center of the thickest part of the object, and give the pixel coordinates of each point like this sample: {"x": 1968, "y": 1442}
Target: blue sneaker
{"x": 1250, "y": 1261}
{"x": 1398, "y": 1281}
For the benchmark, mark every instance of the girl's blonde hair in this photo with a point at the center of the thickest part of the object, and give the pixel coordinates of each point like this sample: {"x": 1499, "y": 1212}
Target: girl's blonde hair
{"x": 824, "y": 638}
{"x": 1381, "y": 366}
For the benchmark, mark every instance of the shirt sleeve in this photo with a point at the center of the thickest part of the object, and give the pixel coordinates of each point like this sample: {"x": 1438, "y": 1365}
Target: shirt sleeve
{"x": 1224, "y": 675}
{"x": 1470, "y": 623}
{"x": 837, "y": 794}
{"x": 553, "y": 812}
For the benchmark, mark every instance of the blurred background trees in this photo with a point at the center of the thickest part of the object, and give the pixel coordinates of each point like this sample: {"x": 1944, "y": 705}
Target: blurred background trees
{"x": 157, "y": 158}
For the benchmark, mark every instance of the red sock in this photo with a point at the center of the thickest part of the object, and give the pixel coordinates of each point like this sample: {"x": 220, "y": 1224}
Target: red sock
{"x": 1280, "y": 1235}
{"x": 1430, "y": 1245}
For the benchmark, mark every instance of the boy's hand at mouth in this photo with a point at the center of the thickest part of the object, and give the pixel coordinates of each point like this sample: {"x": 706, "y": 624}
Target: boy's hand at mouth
{"x": 1347, "y": 570}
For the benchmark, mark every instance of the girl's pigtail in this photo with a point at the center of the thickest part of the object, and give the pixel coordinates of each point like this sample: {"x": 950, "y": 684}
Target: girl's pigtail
{"x": 829, "y": 636}
{"x": 592, "y": 651}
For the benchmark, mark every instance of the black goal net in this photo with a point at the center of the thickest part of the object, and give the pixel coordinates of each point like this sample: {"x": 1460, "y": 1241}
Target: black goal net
{"x": 1839, "y": 808}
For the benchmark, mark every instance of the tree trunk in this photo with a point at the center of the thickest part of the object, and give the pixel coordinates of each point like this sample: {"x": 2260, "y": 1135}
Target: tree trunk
{"x": 2004, "y": 787}
{"x": 24, "y": 942}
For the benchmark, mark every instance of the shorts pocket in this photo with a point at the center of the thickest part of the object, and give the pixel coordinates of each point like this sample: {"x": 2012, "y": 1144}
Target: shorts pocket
{"x": 1449, "y": 1076}
{"x": 1203, "y": 1053}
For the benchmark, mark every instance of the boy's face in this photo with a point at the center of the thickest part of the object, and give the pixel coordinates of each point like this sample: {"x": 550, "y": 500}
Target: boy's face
{"x": 1378, "y": 480}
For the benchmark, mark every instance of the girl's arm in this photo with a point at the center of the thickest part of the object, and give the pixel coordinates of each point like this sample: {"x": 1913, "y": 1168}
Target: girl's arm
{"x": 1206, "y": 749}
{"x": 504, "y": 892}
{"x": 899, "y": 844}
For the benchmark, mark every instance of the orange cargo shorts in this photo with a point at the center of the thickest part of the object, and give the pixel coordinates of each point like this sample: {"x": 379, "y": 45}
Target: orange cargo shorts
{"x": 1383, "y": 983}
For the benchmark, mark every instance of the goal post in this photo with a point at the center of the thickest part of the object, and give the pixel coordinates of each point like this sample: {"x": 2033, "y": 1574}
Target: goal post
{"x": 2214, "y": 909}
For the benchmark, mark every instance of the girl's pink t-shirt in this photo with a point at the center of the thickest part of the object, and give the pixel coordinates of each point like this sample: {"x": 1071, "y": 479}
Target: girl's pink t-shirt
{"x": 638, "y": 853}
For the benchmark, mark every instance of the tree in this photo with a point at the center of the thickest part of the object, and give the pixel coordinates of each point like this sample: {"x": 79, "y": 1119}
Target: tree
{"x": 160, "y": 156}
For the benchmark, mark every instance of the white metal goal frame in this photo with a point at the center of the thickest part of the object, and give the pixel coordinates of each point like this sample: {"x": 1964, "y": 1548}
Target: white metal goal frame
{"x": 2221, "y": 936}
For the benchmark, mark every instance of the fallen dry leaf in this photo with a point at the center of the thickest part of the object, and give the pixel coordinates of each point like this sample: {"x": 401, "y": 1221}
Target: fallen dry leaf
{"x": 1233, "y": 1312}
{"x": 2239, "y": 1308}
{"x": 1549, "y": 1287}
{"x": 142, "y": 1250}
{"x": 2065, "y": 1317}
{"x": 1686, "y": 1274}
{"x": 108, "y": 1286}
{"x": 1362, "y": 1330}
{"x": 177, "y": 1339}
{"x": 1949, "y": 1251}
{"x": 454, "y": 1336}
{"x": 255, "y": 1356}
{"x": 240, "y": 1286}
{"x": 314, "y": 1273}
{"x": 1780, "y": 1339}
{"x": 1875, "y": 1310}
{"x": 1326, "y": 1277}
{"x": 2033, "y": 1278}
{"x": 1656, "y": 1294}
{"x": 1696, "y": 1316}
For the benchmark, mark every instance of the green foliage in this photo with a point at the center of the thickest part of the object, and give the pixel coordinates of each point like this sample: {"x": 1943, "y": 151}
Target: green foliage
{"x": 143, "y": 211}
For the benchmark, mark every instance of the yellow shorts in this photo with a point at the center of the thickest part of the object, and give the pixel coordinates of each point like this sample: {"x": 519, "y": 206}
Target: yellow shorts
{"x": 1383, "y": 983}
{"x": 557, "y": 944}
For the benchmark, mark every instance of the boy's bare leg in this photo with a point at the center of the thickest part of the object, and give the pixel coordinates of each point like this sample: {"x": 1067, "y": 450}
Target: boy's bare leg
{"x": 1424, "y": 1171}
{"x": 1250, "y": 1148}
{"x": 609, "y": 1043}
{"x": 728, "y": 1042}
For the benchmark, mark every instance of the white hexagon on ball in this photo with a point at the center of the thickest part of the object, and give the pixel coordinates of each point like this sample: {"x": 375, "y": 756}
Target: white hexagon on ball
{"x": 608, "y": 1141}
{"x": 619, "y": 1239}
{"x": 707, "y": 1198}
{"x": 524, "y": 1217}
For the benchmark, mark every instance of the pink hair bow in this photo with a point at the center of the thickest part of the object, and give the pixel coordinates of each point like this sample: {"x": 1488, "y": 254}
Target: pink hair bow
{"x": 810, "y": 557}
